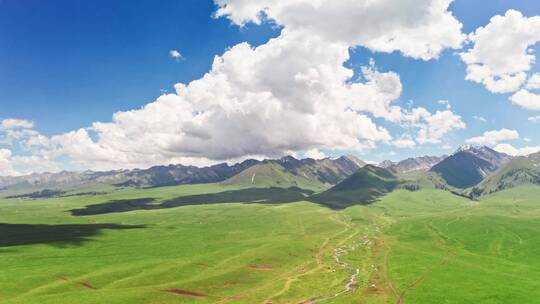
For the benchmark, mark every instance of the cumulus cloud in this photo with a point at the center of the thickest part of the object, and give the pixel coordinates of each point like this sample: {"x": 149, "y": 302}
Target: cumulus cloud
{"x": 526, "y": 99}
{"x": 238, "y": 109}
{"x": 494, "y": 137}
{"x": 12, "y": 123}
{"x": 38, "y": 153}
{"x": 292, "y": 93}
{"x": 16, "y": 130}
{"x": 500, "y": 57}
{"x": 418, "y": 29}
{"x": 404, "y": 141}
{"x": 34, "y": 163}
{"x": 315, "y": 154}
{"x": 438, "y": 125}
{"x": 534, "y": 82}
{"x": 511, "y": 150}
{"x": 6, "y": 167}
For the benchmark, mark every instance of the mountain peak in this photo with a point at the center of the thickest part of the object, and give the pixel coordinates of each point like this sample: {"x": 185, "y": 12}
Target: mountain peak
{"x": 288, "y": 158}
{"x": 476, "y": 149}
{"x": 352, "y": 159}
{"x": 387, "y": 163}
{"x": 464, "y": 148}
{"x": 364, "y": 186}
{"x": 472, "y": 148}
{"x": 421, "y": 163}
{"x": 469, "y": 165}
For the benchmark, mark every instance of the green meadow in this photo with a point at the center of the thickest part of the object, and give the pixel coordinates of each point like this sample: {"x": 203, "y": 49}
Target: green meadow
{"x": 135, "y": 246}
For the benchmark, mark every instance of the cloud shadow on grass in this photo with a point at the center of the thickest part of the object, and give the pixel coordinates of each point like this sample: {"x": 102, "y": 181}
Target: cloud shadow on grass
{"x": 247, "y": 196}
{"x": 57, "y": 235}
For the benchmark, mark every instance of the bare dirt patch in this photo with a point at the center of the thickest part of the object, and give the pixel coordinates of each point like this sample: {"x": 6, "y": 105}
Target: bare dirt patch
{"x": 373, "y": 286}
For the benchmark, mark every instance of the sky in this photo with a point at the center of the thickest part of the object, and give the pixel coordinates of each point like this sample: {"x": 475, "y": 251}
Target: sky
{"x": 105, "y": 85}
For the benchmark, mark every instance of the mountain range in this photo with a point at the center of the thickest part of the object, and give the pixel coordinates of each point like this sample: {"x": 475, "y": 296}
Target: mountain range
{"x": 286, "y": 171}
{"x": 336, "y": 182}
{"x": 304, "y": 173}
{"x": 157, "y": 176}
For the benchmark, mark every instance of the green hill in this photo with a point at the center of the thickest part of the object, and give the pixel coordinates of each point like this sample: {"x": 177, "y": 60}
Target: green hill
{"x": 363, "y": 187}
{"x": 519, "y": 171}
{"x": 272, "y": 175}
{"x": 289, "y": 172}
{"x": 416, "y": 180}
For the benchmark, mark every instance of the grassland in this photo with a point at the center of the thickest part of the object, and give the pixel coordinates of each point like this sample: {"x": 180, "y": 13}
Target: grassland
{"x": 427, "y": 246}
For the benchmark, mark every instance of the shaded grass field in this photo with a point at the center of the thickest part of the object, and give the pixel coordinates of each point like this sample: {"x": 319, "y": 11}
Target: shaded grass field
{"x": 427, "y": 246}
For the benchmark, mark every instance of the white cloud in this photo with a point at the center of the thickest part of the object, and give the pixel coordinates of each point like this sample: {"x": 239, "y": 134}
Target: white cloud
{"x": 534, "y": 82}
{"x": 12, "y": 123}
{"x": 438, "y": 125}
{"x": 500, "y": 57}
{"x": 34, "y": 163}
{"x": 494, "y": 137}
{"x": 239, "y": 109}
{"x": 315, "y": 154}
{"x": 404, "y": 141}
{"x": 526, "y": 139}
{"x": 6, "y": 167}
{"x": 176, "y": 54}
{"x": 511, "y": 150}
{"x": 38, "y": 152}
{"x": 526, "y": 100}
{"x": 418, "y": 29}
{"x": 479, "y": 118}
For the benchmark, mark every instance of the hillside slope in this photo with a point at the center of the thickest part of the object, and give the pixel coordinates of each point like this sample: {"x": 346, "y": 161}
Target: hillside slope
{"x": 271, "y": 175}
{"x": 519, "y": 171}
{"x": 303, "y": 173}
{"x": 363, "y": 187}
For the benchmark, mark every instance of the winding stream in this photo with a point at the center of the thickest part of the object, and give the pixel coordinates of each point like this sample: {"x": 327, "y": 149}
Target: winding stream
{"x": 352, "y": 283}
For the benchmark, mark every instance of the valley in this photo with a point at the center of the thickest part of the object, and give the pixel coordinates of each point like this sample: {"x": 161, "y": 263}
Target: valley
{"x": 377, "y": 236}
{"x": 409, "y": 247}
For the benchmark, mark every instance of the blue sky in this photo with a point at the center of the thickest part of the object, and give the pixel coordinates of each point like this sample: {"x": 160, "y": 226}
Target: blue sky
{"x": 67, "y": 64}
